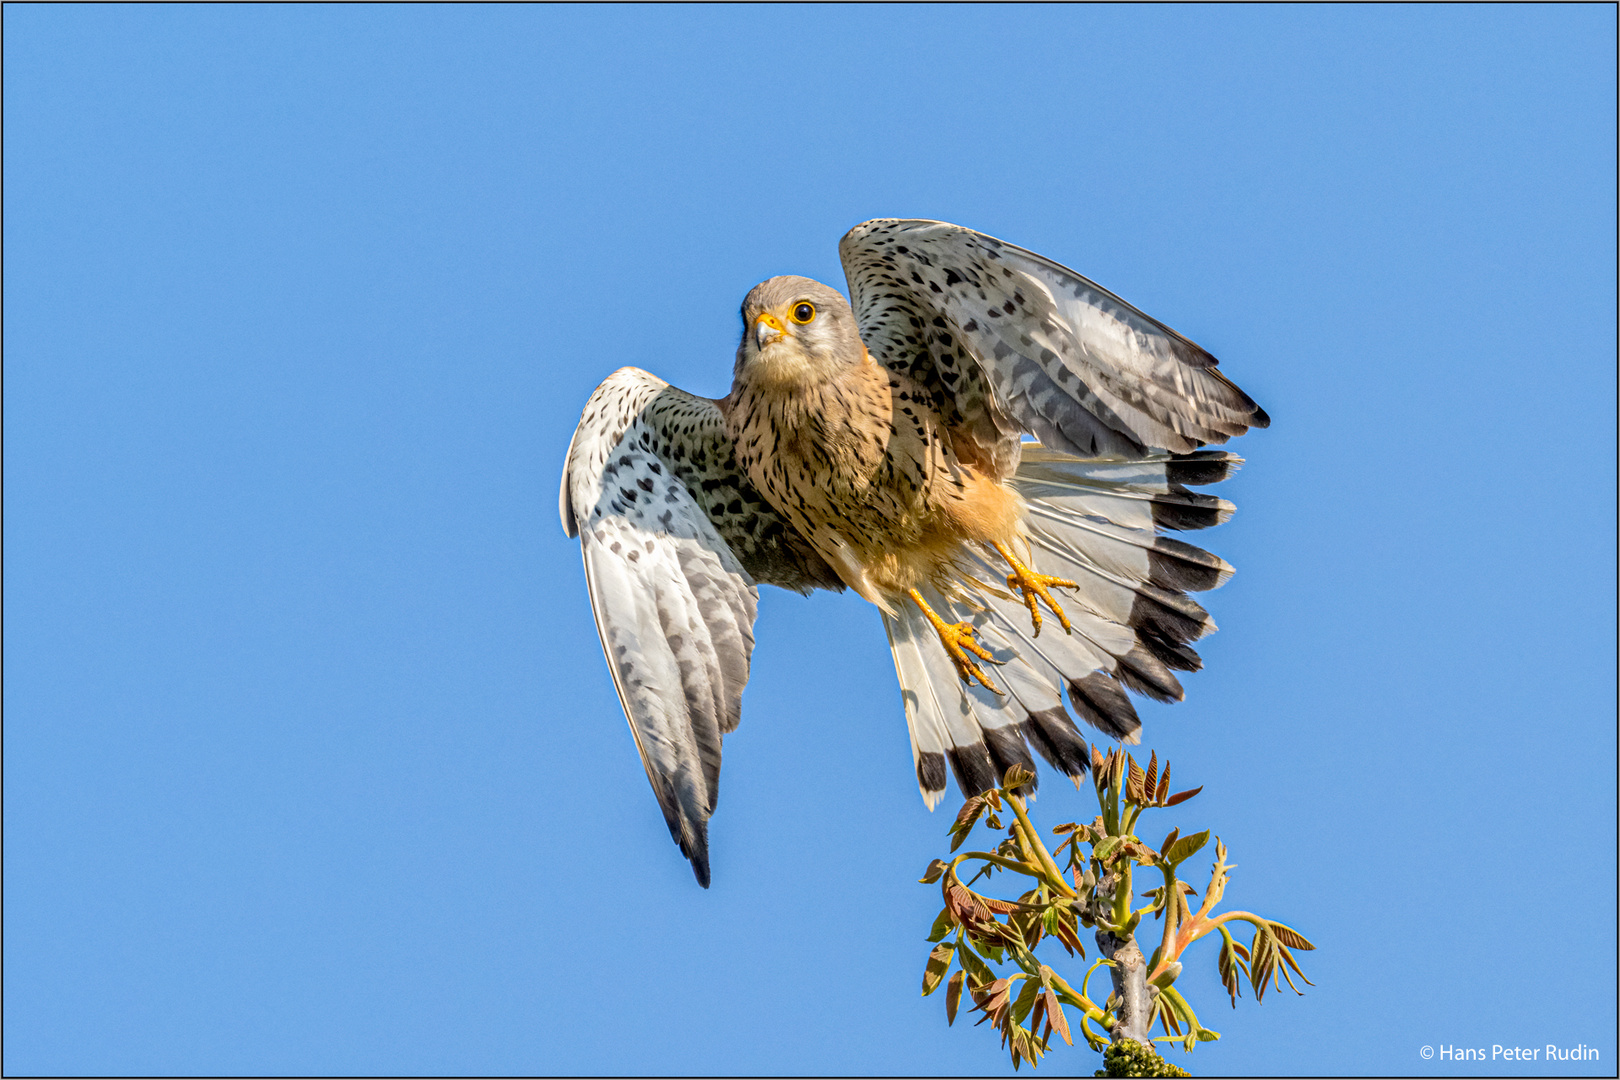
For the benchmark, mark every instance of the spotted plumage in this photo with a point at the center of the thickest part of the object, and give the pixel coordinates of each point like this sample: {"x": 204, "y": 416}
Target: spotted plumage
{"x": 880, "y": 445}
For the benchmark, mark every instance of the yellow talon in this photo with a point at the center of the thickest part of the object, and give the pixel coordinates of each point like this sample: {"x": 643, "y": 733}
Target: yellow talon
{"x": 958, "y": 641}
{"x": 1034, "y": 586}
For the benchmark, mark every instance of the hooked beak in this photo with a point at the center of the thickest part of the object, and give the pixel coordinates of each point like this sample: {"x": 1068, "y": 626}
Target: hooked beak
{"x": 768, "y": 328}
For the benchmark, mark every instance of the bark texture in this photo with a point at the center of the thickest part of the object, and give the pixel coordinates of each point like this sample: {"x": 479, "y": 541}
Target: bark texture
{"x": 1129, "y": 972}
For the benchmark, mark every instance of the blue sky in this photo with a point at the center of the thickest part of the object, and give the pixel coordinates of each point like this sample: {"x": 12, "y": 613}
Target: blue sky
{"x": 311, "y": 760}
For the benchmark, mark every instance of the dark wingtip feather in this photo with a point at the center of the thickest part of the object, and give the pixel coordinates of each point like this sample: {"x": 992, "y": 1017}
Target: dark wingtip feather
{"x": 1260, "y": 419}
{"x": 696, "y": 849}
{"x": 1189, "y": 352}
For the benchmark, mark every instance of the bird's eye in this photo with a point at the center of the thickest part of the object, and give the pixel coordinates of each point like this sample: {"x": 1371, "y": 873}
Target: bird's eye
{"x": 803, "y": 313}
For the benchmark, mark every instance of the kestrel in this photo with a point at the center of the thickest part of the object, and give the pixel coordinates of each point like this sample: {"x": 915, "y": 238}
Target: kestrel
{"x": 880, "y": 448}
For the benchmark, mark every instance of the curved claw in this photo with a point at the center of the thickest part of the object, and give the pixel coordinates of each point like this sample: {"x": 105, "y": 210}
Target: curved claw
{"x": 959, "y": 642}
{"x": 1034, "y": 586}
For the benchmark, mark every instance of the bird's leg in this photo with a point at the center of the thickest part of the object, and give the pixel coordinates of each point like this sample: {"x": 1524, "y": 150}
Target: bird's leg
{"x": 1034, "y": 586}
{"x": 958, "y": 641}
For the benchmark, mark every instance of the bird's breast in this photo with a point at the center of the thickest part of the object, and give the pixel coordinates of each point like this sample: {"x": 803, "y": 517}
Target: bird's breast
{"x": 854, "y": 460}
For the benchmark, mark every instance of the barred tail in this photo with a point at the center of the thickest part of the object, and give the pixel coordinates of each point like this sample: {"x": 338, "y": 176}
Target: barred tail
{"x": 1095, "y": 522}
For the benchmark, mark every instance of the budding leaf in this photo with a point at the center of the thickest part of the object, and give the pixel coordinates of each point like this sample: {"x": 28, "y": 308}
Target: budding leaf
{"x": 931, "y": 875}
{"x": 1167, "y": 1014}
{"x": 1066, "y": 934}
{"x": 953, "y": 996}
{"x": 1025, "y": 1001}
{"x": 939, "y": 962}
{"x": 1263, "y": 962}
{"x": 1186, "y": 847}
{"x": 1290, "y": 937}
{"x": 966, "y": 818}
{"x": 1133, "y": 784}
{"x": 1055, "y": 1017}
{"x": 978, "y": 971}
{"x": 1016, "y": 777}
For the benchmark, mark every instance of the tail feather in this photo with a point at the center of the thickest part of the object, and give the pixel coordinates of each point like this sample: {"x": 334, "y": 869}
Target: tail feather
{"x": 1055, "y": 738}
{"x": 1102, "y": 703}
{"x": 976, "y": 719}
{"x": 1107, "y": 639}
{"x": 1135, "y": 552}
{"x": 1066, "y": 658}
{"x": 1146, "y": 494}
{"x": 1172, "y": 654}
{"x": 1097, "y": 523}
{"x": 980, "y": 734}
{"x": 1115, "y": 593}
{"x": 925, "y": 719}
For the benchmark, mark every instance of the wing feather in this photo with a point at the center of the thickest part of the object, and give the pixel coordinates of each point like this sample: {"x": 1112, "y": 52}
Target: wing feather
{"x": 1012, "y": 342}
{"x": 673, "y": 540}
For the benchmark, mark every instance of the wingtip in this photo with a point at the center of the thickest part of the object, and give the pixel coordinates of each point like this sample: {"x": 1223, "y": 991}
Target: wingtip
{"x": 695, "y": 846}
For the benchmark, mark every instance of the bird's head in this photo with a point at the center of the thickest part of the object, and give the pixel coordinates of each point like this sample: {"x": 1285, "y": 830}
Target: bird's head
{"x": 796, "y": 330}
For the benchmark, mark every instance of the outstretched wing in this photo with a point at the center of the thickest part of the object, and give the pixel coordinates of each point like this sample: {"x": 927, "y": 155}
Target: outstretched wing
{"x": 1010, "y": 342}
{"x": 674, "y": 539}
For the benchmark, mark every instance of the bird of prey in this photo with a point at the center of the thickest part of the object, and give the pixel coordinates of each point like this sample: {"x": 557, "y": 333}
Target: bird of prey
{"x": 878, "y": 444}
